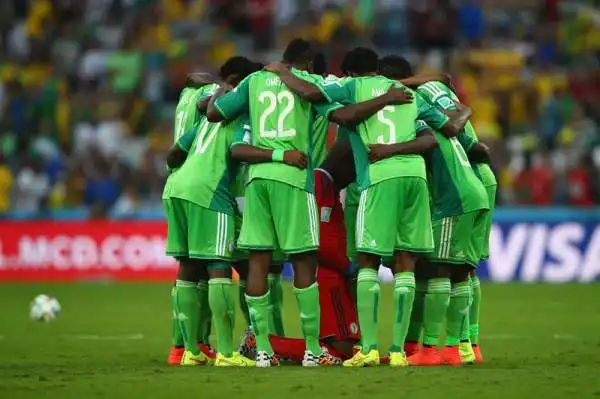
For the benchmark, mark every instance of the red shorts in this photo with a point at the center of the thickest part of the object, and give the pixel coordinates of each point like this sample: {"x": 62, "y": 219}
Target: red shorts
{"x": 338, "y": 310}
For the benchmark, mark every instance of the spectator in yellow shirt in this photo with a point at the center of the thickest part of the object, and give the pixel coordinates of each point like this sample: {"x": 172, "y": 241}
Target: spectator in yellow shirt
{"x": 6, "y": 183}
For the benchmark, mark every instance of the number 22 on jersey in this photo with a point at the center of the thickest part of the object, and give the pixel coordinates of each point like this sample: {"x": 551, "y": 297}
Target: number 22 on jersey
{"x": 272, "y": 101}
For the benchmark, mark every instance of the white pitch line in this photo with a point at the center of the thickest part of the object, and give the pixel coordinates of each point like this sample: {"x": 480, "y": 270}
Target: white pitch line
{"x": 507, "y": 337}
{"x": 93, "y": 337}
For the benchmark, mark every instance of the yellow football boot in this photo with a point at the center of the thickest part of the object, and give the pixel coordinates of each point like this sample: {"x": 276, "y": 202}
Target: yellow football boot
{"x": 189, "y": 359}
{"x": 361, "y": 360}
{"x": 236, "y": 360}
{"x": 467, "y": 355}
{"x": 398, "y": 359}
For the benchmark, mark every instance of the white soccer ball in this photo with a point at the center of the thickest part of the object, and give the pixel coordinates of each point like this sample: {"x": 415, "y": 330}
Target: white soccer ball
{"x": 44, "y": 308}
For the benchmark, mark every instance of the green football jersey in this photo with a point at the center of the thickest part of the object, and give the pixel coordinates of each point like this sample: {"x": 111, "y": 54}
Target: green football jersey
{"x": 454, "y": 187}
{"x": 280, "y": 120}
{"x": 186, "y": 113}
{"x": 442, "y": 96}
{"x": 206, "y": 176}
{"x": 392, "y": 124}
{"x": 242, "y": 136}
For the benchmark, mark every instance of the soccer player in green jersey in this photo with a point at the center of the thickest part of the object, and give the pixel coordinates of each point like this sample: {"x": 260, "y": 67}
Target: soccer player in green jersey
{"x": 393, "y": 216}
{"x": 198, "y": 86}
{"x": 459, "y": 209}
{"x": 199, "y": 209}
{"x": 443, "y": 97}
{"x": 280, "y": 207}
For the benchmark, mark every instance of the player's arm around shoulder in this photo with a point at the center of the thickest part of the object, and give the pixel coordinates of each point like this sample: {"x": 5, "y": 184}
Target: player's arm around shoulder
{"x": 179, "y": 151}
{"x": 298, "y": 85}
{"x": 424, "y": 142}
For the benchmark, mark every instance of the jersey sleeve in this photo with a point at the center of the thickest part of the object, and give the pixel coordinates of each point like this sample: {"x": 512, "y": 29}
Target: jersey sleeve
{"x": 236, "y": 102}
{"x": 340, "y": 91}
{"x": 466, "y": 141}
{"x": 185, "y": 142}
{"x": 325, "y": 109}
{"x": 436, "y": 96}
{"x": 429, "y": 114}
{"x": 421, "y": 127}
{"x": 243, "y": 134}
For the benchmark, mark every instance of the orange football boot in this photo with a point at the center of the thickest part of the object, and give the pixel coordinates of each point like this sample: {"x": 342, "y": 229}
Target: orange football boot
{"x": 207, "y": 350}
{"x": 426, "y": 356}
{"x": 478, "y": 355}
{"x": 410, "y": 348}
{"x": 175, "y": 356}
{"x": 451, "y": 356}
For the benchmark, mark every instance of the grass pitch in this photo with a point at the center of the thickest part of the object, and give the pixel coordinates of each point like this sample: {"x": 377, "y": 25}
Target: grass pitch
{"x": 540, "y": 341}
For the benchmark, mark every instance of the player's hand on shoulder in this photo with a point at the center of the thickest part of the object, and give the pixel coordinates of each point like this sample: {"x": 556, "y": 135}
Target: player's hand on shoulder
{"x": 377, "y": 152}
{"x": 275, "y": 67}
{"x": 399, "y": 96}
{"x": 295, "y": 158}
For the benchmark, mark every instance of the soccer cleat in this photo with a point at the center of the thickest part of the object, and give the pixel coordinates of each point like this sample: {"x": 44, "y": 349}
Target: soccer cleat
{"x": 235, "y": 360}
{"x": 398, "y": 359}
{"x": 384, "y": 359}
{"x": 361, "y": 360}
{"x": 211, "y": 356}
{"x": 175, "y": 356}
{"x": 451, "y": 356}
{"x": 310, "y": 359}
{"x": 426, "y": 356}
{"x": 189, "y": 359}
{"x": 467, "y": 356}
{"x": 263, "y": 359}
{"x": 410, "y": 348}
{"x": 248, "y": 345}
{"x": 478, "y": 355}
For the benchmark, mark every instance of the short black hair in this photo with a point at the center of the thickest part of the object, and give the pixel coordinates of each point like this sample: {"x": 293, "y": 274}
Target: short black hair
{"x": 319, "y": 64}
{"x": 365, "y": 60}
{"x": 348, "y": 65}
{"x": 395, "y": 66}
{"x": 237, "y": 65}
{"x": 298, "y": 51}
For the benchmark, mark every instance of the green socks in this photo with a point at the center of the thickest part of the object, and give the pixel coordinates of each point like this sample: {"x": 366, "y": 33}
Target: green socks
{"x": 220, "y": 299}
{"x": 436, "y": 303}
{"x": 404, "y": 295}
{"x": 243, "y": 303}
{"x": 205, "y": 318}
{"x": 457, "y": 313}
{"x": 259, "y": 307}
{"x": 368, "y": 290}
{"x": 176, "y": 337}
{"x": 474, "y": 310}
{"x": 416, "y": 316}
{"x": 310, "y": 316}
{"x": 186, "y": 306}
{"x": 276, "y": 290}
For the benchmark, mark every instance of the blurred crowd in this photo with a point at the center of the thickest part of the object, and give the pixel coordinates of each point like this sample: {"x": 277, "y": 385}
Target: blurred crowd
{"x": 88, "y": 87}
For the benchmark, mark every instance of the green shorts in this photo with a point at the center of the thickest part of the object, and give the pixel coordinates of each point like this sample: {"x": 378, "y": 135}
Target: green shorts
{"x": 198, "y": 233}
{"x": 459, "y": 239}
{"x": 243, "y": 254}
{"x": 394, "y": 215}
{"x": 491, "y": 192}
{"x": 350, "y": 222}
{"x": 277, "y": 215}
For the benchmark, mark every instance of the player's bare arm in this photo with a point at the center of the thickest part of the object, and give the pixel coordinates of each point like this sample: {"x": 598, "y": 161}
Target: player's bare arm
{"x": 300, "y": 87}
{"x": 253, "y": 155}
{"x": 356, "y": 113}
{"x": 200, "y": 79}
{"x": 202, "y": 105}
{"x": 457, "y": 122}
{"x": 425, "y": 142}
{"x": 479, "y": 153}
{"x": 418, "y": 80}
{"x": 176, "y": 157}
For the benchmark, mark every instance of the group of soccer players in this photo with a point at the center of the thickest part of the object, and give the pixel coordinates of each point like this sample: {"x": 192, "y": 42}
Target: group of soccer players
{"x": 252, "y": 186}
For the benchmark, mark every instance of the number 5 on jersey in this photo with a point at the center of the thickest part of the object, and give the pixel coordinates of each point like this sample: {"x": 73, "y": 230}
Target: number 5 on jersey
{"x": 285, "y": 99}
